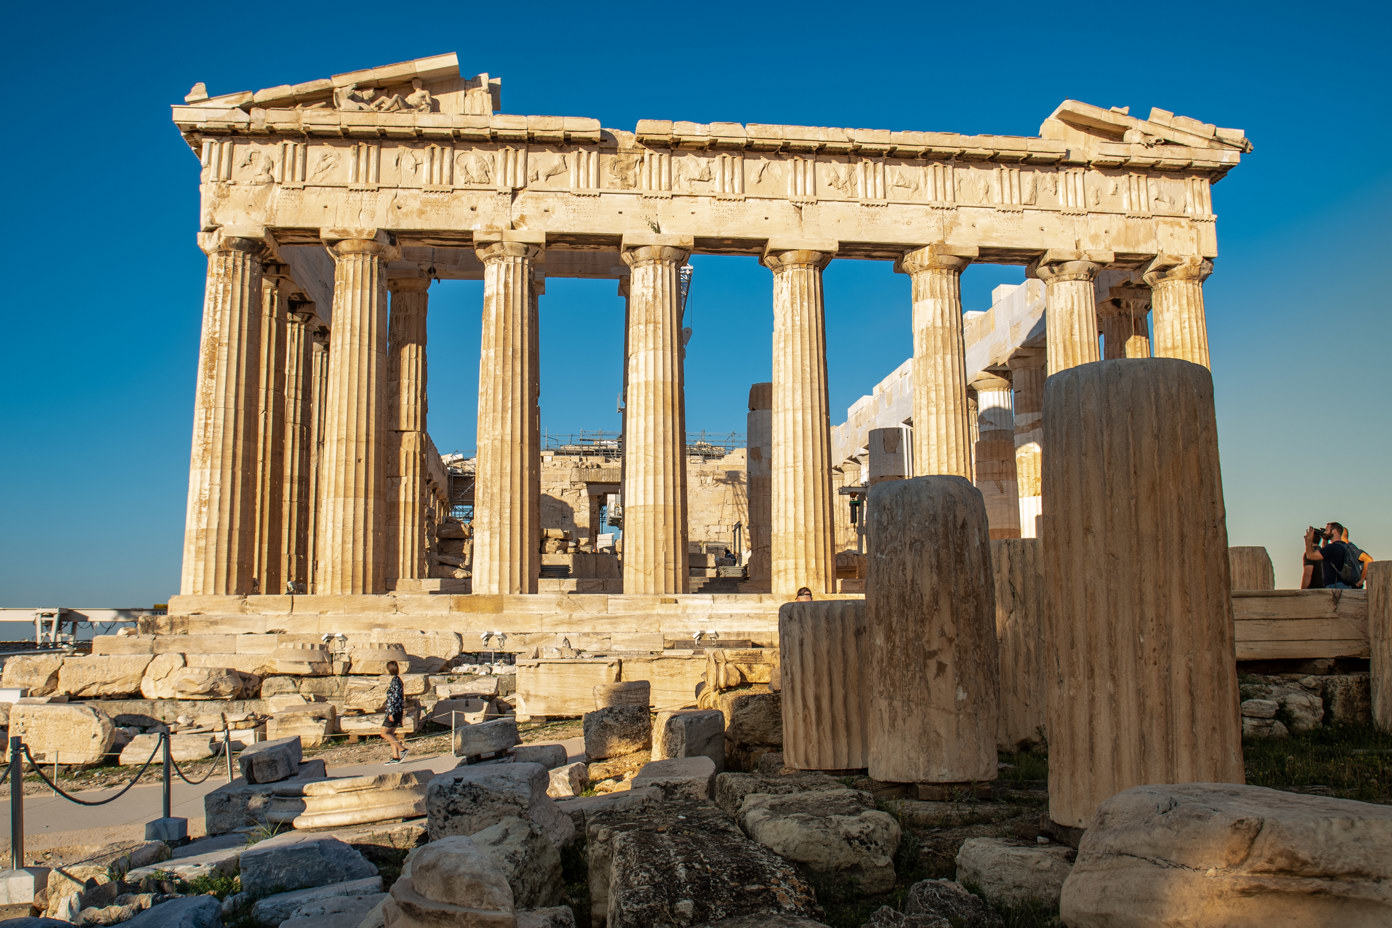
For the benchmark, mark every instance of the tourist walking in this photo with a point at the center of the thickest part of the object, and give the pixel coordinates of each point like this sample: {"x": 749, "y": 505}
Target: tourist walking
{"x": 395, "y": 707}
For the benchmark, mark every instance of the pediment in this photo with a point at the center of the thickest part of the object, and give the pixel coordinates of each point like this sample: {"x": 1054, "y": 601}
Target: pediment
{"x": 425, "y": 85}
{"x": 1079, "y": 124}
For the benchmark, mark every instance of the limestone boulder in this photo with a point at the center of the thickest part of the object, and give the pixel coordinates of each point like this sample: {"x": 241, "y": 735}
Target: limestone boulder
{"x": 690, "y": 733}
{"x": 485, "y": 738}
{"x": 945, "y": 904}
{"x": 1231, "y": 855}
{"x": 466, "y": 800}
{"x": 569, "y": 780}
{"x": 298, "y": 861}
{"x": 113, "y": 676}
{"x": 617, "y": 730}
{"x": 272, "y": 911}
{"x": 182, "y": 748}
{"x": 1015, "y": 873}
{"x": 1264, "y": 728}
{"x": 549, "y": 756}
{"x": 450, "y": 881}
{"x": 527, "y": 858}
{"x": 679, "y": 777}
{"x": 836, "y": 834}
{"x": 154, "y": 684}
{"x": 1303, "y": 711}
{"x": 62, "y": 733}
{"x": 36, "y": 673}
{"x": 732, "y": 787}
{"x": 753, "y": 728}
{"x": 270, "y": 761}
{"x": 336, "y": 912}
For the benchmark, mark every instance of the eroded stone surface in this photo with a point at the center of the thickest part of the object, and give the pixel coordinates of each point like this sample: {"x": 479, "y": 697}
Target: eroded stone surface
{"x": 679, "y": 777}
{"x": 269, "y": 761}
{"x": 109, "y": 676}
{"x": 1009, "y": 872}
{"x": 297, "y": 861}
{"x": 466, "y": 800}
{"x": 65, "y": 734}
{"x": 836, "y": 834}
{"x": 450, "y": 881}
{"x": 37, "y": 673}
{"x": 616, "y": 731}
{"x": 527, "y": 858}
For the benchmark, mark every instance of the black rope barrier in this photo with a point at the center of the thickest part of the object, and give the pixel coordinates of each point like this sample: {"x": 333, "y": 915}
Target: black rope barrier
{"x": 85, "y": 802}
{"x": 226, "y": 746}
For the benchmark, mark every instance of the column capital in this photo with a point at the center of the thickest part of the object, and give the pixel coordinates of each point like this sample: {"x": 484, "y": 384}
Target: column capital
{"x": 222, "y": 240}
{"x": 937, "y": 257}
{"x": 655, "y": 249}
{"x": 781, "y": 259}
{"x": 275, "y": 273}
{"x": 1169, "y": 267}
{"x": 375, "y": 246}
{"x": 489, "y": 252}
{"x": 1025, "y": 359}
{"x": 990, "y": 380}
{"x": 1127, "y": 295}
{"x": 411, "y": 284}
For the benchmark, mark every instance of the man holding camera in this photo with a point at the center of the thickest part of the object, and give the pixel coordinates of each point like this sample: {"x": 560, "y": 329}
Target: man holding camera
{"x": 1341, "y": 563}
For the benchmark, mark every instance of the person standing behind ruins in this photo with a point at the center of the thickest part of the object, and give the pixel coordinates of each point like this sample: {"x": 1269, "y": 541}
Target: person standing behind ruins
{"x": 1342, "y": 564}
{"x": 395, "y": 707}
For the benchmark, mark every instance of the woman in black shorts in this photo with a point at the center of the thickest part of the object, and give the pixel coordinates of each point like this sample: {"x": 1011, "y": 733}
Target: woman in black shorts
{"x": 394, "y": 708}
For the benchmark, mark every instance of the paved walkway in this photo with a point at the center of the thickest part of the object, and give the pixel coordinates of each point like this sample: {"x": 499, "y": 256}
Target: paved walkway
{"x": 52, "y": 822}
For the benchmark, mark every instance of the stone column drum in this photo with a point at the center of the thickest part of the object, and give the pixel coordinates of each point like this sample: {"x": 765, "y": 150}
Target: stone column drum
{"x": 351, "y": 547}
{"x": 1181, "y": 330}
{"x": 1019, "y": 575}
{"x": 318, "y": 398}
{"x": 942, "y": 443}
{"x": 1140, "y": 657}
{"x": 1070, "y": 310}
{"x": 930, "y": 601}
{"x": 270, "y": 439}
{"x": 802, "y": 531}
{"x": 654, "y": 475}
{"x": 220, "y": 527}
{"x": 507, "y": 515}
{"x": 824, "y": 676}
{"x": 1027, "y": 377}
{"x": 1251, "y": 568}
{"x": 406, "y": 412}
{"x": 759, "y": 435}
{"x": 995, "y": 454}
{"x": 1379, "y": 584}
{"x": 294, "y": 544}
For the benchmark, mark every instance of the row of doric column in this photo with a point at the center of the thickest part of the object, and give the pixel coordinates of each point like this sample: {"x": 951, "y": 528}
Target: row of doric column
{"x": 308, "y": 461}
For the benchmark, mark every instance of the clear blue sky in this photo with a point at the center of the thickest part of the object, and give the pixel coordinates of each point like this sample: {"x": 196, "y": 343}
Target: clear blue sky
{"x": 105, "y": 282}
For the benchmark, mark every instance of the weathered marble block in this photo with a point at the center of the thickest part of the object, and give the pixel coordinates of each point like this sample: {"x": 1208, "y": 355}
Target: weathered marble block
{"x": 930, "y": 604}
{"x": 269, "y": 761}
{"x": 824, "y": 680}
{"x": 1251, "y": 568}
{"x": 1139, "y": 641}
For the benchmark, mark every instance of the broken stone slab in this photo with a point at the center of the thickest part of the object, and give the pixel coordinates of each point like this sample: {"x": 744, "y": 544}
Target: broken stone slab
{"x": 580, "y": 808}
{"x": 754, "y": 727}
{"x": 239, "y": 804}
{"x": 299, "y": 861}
{"x": 527, "y": 858}
{"x": 567, "y": 781}
{"x": 104, "y": 676}
{"x": 549, "y": 756}
{"x": 185, "y": 912}
{"x": 679, "y": 777}
{"x": 623, "y": 768}
{"x": 450, "y": 882}
{"x": 271, "y": 761}
{"x": 337, "y": 912}
{"x": 466, "y": 800}
{"x": 626, "y": 693}
{"x": 836, "y": 834}
{"x": 35, "y": 673}
{"x": 63, "y": 733}
{"x": 731, "y": 787}
{"x": 616, "y": 731}
{"x": 690, "y": 733}
{"x": 485, "y": 737}
{"x": 469, "y": 710}
{"x": 1015, "y": 873}
{"x": 182, "y": 748}
{"x": 274, "y": 910}
{"x": 350, "y": 800}
{"x": 1232, "y": 855}
{"x": 215, "y": 856}
{"x": 687, "y": 874}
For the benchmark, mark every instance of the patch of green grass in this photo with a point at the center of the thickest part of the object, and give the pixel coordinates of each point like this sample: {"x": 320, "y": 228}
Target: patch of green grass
{"x": 220, "y": 885}
{"x": 1345, "y": 761}
{"x": 1024, "y": 767}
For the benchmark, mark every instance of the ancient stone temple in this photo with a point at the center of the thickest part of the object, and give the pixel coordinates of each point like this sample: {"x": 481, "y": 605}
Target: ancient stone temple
{"x": 330, "y": 207}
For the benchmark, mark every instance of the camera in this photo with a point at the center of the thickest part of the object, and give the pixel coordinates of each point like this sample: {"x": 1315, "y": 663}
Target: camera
{"x": 1319, "y": 532}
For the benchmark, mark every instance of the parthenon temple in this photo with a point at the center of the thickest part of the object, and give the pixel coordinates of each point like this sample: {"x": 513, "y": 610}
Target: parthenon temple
{"x": 330, "y": 208}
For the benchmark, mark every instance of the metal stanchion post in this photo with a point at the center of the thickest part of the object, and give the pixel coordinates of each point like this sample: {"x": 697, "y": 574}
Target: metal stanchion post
{"x": 167, "y": 828}
{"x": 16, "y": 804}
{"x": 227, "y": 746}
{"x": 168, "y": 771}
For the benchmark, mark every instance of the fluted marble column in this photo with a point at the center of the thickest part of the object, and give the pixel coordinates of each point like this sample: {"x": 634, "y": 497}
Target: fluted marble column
{"x": 654, "y": 542}
{"x": 942, "y": 440}
{"x": 1122, "y": 321}
{"x": 995, "y": 454}
{"x": 1181, "y": 330}
{"x": 1070, "y": 309}
{"x": 406, "y": 412}
{"x": 802, "y": 529}
{"x": 1027, "y": 378}
{"x": 318, "y": 400}
{"x": 507, "y": 526}
{"x": 220, "y": 527}
{"x": 353, "y": 473}
{"x": 270, "y": 441}
{"x": 758, "y": 476}
{"x": 294, "y": 545}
